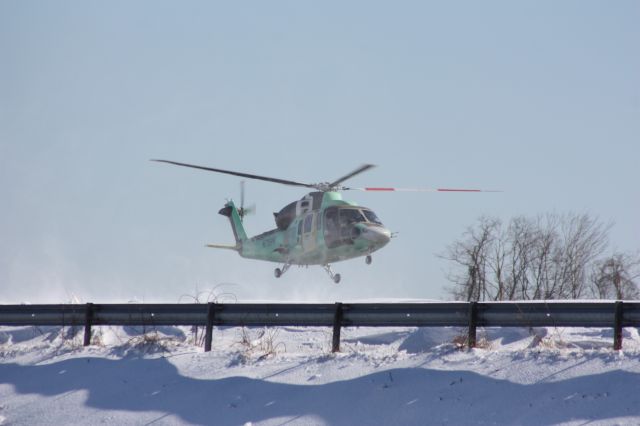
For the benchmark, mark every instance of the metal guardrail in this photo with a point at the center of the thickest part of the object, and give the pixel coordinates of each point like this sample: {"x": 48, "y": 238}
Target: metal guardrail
{"x": 472, "y": 315}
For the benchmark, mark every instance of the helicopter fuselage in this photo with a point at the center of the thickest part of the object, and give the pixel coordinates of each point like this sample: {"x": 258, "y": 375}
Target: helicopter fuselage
{"x": 319, "y": 229}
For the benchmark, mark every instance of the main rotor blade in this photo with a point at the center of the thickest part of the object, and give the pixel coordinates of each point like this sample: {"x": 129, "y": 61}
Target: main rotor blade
{"x": 359, "y": 170}
{"x": 385, "y": 189}
{"x": 246, "y": 175}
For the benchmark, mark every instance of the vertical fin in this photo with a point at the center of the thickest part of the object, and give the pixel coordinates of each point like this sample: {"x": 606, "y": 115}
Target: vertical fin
{"x": 229, "y": 210}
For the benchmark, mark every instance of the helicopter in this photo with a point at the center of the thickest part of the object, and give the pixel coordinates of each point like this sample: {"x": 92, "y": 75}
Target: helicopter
{"x": 319, "y": 229}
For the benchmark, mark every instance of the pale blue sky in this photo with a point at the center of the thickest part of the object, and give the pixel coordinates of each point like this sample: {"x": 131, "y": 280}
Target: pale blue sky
{"x": 540, "y": 99}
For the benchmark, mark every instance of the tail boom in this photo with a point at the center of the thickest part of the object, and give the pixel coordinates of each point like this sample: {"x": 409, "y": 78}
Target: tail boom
{"x": 229, "y": 210}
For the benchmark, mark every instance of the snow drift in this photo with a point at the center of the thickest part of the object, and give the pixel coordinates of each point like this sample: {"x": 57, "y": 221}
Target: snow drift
{"x": 287, "y": 375}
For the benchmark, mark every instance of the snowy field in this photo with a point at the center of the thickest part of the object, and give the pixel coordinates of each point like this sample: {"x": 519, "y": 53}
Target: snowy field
{"x": 287, "y": 376}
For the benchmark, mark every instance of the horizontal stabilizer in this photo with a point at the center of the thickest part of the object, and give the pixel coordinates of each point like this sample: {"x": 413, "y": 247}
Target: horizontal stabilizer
{"x": 223, "y": 246}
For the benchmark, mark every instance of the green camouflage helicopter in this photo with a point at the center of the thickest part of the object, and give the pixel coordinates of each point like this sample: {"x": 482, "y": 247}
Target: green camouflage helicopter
{"x": 319, "y": 229}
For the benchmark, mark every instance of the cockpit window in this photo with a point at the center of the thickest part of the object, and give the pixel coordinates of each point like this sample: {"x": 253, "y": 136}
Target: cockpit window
{"x": 371, "y": 217}
{"x": 338, "y": 225}
{"x": 349, "y": 216}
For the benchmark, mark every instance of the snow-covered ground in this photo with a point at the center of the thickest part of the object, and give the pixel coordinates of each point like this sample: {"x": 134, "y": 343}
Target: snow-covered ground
{"x": 287, "y": 375}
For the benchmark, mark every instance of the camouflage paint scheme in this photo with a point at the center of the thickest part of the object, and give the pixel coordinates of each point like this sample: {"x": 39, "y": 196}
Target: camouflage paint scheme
{"x": 307, "y": 239}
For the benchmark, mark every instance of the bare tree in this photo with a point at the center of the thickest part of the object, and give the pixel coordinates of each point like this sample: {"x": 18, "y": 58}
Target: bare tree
{"x": 497, "y": 263}
{"x": 520, "y": 239}
{"x": 616, "y": 277}
{"x": 584, "y": 239}
{"x": 471, "y": 258}
{"x": 548, "y": 257}
{"x": 545, "y": 241}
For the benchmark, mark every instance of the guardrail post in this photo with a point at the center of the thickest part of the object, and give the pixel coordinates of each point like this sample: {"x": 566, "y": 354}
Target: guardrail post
{"x": 88, "y": 317}
{"x": 473, "y": 320}
{"x": 617, "y": 327}
{"x": 337, "y": 322}
{"x": 209, "y": 328}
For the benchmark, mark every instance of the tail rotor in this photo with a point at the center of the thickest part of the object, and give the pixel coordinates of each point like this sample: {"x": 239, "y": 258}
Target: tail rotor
{"x": 242, "y": 211}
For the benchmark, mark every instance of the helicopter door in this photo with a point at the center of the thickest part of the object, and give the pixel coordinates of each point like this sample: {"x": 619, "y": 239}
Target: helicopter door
{"x": 331, "y": 227}
{"x": 309, "y": 232}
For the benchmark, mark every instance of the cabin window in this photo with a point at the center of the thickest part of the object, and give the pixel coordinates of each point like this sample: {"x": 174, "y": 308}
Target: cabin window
{"x": 331, "y": 227}
{"x": 304, "y": 206}
{"x": 308, "y": 222}
{"x": 299, "y": 230}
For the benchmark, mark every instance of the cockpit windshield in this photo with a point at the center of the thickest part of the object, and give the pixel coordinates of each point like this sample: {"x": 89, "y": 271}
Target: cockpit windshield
{"x": 338, "y": 221}
{"x": 349, "y": 216}
{"x": 371, "y": 217}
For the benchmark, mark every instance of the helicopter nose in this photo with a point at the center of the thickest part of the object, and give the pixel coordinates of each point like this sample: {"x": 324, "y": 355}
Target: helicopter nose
{"x": 377, "y": 235}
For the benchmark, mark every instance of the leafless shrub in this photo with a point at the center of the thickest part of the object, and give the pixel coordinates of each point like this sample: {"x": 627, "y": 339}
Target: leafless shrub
{"x": 213, "y": 295}
{"x": 147, "y": 343}
{"x": 261, "y": 346}
{"x": 245, "y": 338}
{"x": 461, "y": 341}
{"x": 268, "y": 344}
